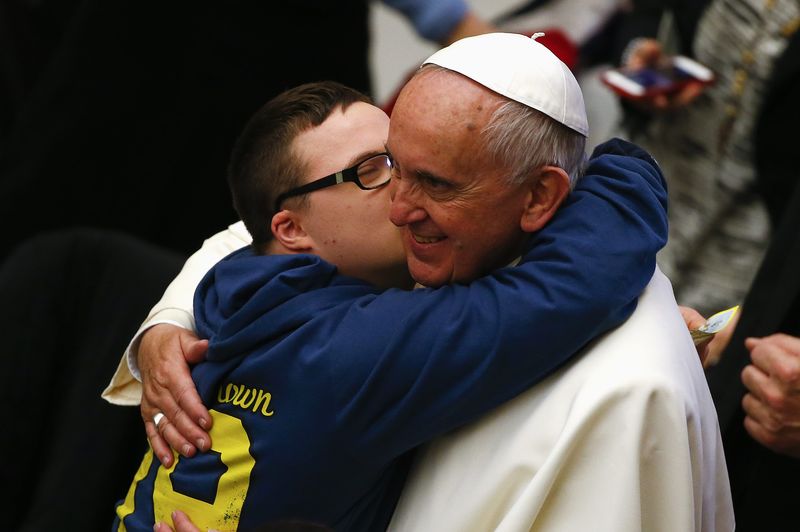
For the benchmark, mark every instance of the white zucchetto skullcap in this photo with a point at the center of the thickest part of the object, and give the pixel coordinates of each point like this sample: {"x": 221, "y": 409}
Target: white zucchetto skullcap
{"x": 519, "y": 68}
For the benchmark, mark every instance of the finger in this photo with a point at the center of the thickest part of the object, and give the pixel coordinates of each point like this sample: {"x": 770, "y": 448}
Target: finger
{"x": 183, "y": 523}
{"x": 162, "y": 527}
{"x": 160, "y": 448}
{"x": 691, "y": 317}
{"x": 168, "y": 387}
{"x": 188, "y": 397}
{"x": 761, "y": 413}
{"x": 184, "y": 408}
{"x": 174, "y": 438}
{"x": 176, "y": 396}
{"x": 759, "y": 352}
{"x": 787, "y": 342}
{"x": 155, "y": 401}
{"x": 759, "y": 433}
{"x": 192, "y": 347}
{"x": 786, "y": 441}
{"x": 772, "y": 356}
{"x": 188, "y": 429}
{"x": 756, "y": 381}
{"x": 195, "y": 351}
{"x": 763, "y": 388}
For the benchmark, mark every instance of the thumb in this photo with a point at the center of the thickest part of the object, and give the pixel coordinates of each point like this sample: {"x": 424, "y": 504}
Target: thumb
{"x": 194, "y": 350}
{"x": 691, "y": 317}
{"x": 752, "y": 342}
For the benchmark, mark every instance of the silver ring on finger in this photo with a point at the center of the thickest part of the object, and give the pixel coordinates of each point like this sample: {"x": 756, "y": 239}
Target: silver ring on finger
{"x": 157, "y": 419}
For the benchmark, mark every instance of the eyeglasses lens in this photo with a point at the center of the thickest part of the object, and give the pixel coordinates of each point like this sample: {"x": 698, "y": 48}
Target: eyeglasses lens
{"x": 375, "y": 171}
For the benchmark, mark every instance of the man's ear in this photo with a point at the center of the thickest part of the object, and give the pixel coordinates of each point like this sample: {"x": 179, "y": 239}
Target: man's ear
{"x": 544, "y": 197}
{"x": 287, "y": 229}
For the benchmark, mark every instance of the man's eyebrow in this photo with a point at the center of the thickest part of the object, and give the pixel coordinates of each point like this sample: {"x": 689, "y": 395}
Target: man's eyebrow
{"x": 362, "y": 156}
{"x": 424, "y": 174}
{"x": 431, "y": 177}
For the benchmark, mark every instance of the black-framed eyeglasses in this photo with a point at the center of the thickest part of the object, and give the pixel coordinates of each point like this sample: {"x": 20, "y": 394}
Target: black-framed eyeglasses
{"x": 369, "y": 174}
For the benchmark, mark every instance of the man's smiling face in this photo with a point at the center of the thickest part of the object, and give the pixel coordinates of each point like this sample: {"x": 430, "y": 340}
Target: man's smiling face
{"x": 459, "y": 216}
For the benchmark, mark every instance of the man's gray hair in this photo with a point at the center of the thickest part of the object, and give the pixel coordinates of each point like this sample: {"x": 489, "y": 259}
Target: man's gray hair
{"x": 524, "y": 139}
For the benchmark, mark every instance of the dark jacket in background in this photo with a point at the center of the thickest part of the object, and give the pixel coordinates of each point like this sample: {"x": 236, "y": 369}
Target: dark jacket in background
{"x": 766, "y": 485}
{"x": 130, "y": 123}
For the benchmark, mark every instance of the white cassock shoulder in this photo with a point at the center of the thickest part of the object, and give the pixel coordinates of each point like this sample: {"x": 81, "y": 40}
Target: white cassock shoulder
{"x": 624, "y": 438}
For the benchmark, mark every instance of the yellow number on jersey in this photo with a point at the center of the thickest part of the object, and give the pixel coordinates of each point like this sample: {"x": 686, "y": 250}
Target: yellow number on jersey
{"x": 230, "y": 440}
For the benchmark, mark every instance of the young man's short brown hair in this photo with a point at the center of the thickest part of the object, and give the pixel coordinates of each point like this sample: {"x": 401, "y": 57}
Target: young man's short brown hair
{"x": 263, "y": 164}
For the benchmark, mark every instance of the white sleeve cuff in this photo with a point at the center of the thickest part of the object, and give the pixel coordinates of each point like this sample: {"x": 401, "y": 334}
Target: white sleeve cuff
{"x": 125, "y": 387}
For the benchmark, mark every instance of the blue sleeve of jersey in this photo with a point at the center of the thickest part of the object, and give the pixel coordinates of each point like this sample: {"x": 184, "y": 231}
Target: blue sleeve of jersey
{"x": 432, "y": 19}
{"x": 413, "y": 365}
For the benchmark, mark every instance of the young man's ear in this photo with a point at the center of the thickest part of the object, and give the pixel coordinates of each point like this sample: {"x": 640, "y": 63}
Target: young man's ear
{"x": 544, "y": 197}
{"x": 288, "y": 232}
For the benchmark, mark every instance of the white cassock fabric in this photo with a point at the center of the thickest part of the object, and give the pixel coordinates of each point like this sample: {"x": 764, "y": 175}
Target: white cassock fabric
{"x": 625, "y": 438}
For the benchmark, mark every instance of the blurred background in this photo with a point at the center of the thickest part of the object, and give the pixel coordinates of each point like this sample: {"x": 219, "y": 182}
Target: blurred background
{"x": 121, "y": 116}
{"x": 397, "y": 49}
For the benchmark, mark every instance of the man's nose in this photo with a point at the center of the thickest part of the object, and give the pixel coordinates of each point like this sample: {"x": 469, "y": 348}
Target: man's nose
{"x": 406, "y": 207}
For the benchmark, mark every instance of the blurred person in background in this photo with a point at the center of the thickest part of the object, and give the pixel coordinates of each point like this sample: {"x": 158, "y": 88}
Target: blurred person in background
{"x": 756, "y": 388}
{"x": 724, "y": 148}
{"x": 731, "y": 163}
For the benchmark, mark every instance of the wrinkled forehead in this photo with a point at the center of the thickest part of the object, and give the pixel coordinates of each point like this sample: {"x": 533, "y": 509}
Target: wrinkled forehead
{"x": 435, "y": 87}
{"x": 441, "y": 104}
{"x": 439, "y": 118}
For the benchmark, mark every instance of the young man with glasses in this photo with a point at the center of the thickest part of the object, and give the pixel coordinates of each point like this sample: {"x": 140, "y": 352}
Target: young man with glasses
{"x": 320, "y": 384}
